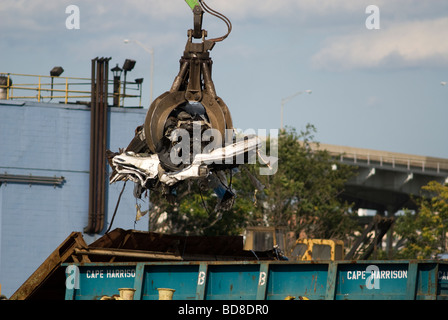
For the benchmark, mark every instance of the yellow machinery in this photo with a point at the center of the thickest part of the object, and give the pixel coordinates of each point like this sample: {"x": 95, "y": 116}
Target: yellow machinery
{"x": 266, "y": 238}
{"x": 317, "y": 249}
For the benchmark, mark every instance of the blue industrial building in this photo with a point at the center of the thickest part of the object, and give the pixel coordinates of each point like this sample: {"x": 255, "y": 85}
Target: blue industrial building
{"x": 45, "y": 171}
{"x": 44, "y": 184}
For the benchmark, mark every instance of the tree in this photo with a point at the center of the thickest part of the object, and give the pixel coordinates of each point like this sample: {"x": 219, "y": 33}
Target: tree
{"x": 193, "y": 212}
{"x": 425, "y": 231}
{"x": 304, "y": 193}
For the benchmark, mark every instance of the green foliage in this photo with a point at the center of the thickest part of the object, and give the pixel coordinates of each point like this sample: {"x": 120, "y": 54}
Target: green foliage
{"x": 302, "y": 194}
{"x": 193, "y": 212}
{"x": 425, "y": 231}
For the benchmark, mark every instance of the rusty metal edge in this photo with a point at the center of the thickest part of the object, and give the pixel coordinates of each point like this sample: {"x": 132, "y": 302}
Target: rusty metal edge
{"x": 49, "y": 266}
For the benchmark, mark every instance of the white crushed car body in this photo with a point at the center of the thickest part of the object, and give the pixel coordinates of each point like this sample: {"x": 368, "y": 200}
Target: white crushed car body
{"x": 142, "y": 168}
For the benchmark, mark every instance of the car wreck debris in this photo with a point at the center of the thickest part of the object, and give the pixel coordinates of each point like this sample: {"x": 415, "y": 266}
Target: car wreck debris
{"x": 188, "y": 132}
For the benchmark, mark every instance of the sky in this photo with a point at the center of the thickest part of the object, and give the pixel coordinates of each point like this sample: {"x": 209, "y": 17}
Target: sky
{"x": 377, "y": 88}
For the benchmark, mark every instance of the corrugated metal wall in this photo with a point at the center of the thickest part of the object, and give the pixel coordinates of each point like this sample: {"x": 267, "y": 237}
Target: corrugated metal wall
{"x": 42, "y": 139}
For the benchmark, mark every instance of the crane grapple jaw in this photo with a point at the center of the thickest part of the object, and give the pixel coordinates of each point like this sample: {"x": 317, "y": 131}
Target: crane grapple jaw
{"x": 192, "y": 85}
{"x": 188, "y": 132}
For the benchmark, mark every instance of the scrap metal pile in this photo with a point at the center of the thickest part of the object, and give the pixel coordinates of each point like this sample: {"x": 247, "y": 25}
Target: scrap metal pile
{"x": 188, "y": 131}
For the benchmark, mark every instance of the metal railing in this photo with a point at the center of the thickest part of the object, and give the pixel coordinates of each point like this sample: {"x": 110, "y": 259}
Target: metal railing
{"x": 48, "y": 88}
{"x": 384, "y": 158}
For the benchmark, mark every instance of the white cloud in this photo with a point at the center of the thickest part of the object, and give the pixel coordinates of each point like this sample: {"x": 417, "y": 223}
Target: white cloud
{"x": 409, "y": 44}
{"x": 398, "y": 42}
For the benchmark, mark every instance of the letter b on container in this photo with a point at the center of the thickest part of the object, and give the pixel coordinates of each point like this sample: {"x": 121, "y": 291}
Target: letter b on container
{"x": 72, "y": 281}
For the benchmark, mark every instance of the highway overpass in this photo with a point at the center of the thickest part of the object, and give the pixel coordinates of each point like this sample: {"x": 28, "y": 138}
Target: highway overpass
{"x": 386, "y": 181}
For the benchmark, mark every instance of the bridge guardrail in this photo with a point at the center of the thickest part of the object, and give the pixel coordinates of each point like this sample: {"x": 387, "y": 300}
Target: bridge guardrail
{"x": 384, "y": 158}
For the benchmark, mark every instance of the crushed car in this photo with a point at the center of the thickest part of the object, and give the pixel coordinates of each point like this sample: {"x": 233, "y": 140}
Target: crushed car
{"x": 188, "y": 132}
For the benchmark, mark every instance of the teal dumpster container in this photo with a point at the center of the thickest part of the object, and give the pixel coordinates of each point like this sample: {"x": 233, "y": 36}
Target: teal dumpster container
{"x": 262, "y": 280}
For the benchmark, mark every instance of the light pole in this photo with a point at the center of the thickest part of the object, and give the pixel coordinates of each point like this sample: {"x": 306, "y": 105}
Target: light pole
{"x": 55, "y": 72}
{"x": 128, "y": 65}
{"x": 287, "y": 99}
{"x": 151, "y": 52}
{"x": 117, "y": 75}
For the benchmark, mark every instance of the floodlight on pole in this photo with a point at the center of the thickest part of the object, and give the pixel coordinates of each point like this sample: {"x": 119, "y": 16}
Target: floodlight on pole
{"x": 55, "y": 72}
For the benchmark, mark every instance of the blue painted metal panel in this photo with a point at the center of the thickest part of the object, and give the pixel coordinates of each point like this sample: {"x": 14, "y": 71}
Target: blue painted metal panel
{"x": 234, "y": 282}
{"x": 103, "y": 280}
{"x": 366, "y": 280}
{"x": 182, "y": 278}
{"x": 241, "y": 280}
{"x": 442, "y": 281}
{"x": 52, "y": 139}
{"x": 427, "y": 282}
{"x": 297, "y": 280}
